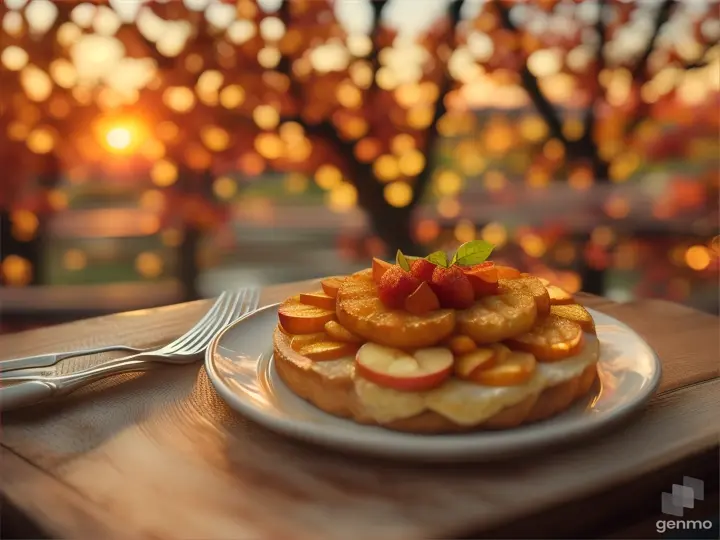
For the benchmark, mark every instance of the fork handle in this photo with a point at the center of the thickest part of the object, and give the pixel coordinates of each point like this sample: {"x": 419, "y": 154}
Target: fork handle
{"x": 50, "y": 359}
{"x": 36, "y": 390}
{"x": 24, "y": 394}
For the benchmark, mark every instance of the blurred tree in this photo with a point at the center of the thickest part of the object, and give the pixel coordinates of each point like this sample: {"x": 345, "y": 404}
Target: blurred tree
{"x": 300, "y": 93}
{"x": 195, "y": 90}
{"x": 610, "y": 58}
{"x": 617, "y": 88}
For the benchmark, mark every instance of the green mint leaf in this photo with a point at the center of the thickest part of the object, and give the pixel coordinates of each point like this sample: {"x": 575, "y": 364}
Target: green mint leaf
{"x": 402, "y": 261}
{"x": 471, "y": 253}
{"x": 439, "y": 258}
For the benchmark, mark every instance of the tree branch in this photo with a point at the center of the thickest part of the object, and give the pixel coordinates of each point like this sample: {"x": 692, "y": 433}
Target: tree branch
{"x": 326, "y": 129}
{"x": 530, "y": 82}
{"x": 661, "y": 17}
{"x": 378, "y": 8}
{"x": 285, "y": 64}
{"x": 700, "y": 62}
{"x": 423, "y": 179}
{"x": 639, "y": 73}
{"x": 643, "y": 108}
{"x": 590, "y": 118}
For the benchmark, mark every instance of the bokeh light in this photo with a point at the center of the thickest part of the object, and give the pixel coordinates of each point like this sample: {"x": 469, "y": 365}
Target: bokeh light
{"x": 328, "y": 177}
{"x": 164, "y": 173}
{"x": 398, "y": 194}
{"x": 119, "y": 138}
{"x": 698, "y": 257}
{"x": 212, "y": 114}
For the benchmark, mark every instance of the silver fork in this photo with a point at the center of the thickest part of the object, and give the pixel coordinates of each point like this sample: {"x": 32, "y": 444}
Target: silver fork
{"x": 31, "y": 387}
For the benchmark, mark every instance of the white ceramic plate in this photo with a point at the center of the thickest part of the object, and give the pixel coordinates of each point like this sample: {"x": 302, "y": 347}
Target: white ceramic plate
{"x": 240, "y": 366}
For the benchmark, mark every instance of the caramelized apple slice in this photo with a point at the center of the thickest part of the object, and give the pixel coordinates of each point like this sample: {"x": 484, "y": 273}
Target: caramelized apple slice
{"x": 360, "y": 310}
{"x": 577, "y": 313}
{"x": 282, "y": 329}
{"x": 302, "y": 340}
{"x": 495, "y": 318}
{"x": 558, "y": 296}
{"x": 553, "y": 338}
{"x": 507, "y": 272}
{"x": 460, "y": 345}
{"x": 318, "y": 299}
{"x": 531, "y": 286}
{"x": 298, "y": 318}
{"x": 339, "y": 333}
{"x": 483, "y": 278}
{"x": 423, "y": 300}
{"x": 514, "y": 370}
{"x": 468, "y": 365}
{"x": 379, "y": 267}
{"x": 328, "y": 350}
{"x": 331, "y": 285}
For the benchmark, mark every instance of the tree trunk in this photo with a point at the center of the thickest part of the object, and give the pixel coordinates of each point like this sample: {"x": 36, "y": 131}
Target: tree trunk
{"x": 188, "y": 270}
{"x": 593, "y": 279}
{"x": 393, "y": 226}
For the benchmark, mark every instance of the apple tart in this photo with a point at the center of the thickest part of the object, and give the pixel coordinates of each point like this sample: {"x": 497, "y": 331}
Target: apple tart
{"x": 432, "y": 345}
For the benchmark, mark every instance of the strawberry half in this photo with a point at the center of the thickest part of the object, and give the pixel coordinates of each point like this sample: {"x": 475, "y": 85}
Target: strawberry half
{"x": 395, "y": 286}
{"x": 422, "y": 269}
{"x": 452, "y": 287}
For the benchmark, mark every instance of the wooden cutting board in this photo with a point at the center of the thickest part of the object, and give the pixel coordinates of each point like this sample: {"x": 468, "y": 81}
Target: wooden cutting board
{"x": 159, "y": 455}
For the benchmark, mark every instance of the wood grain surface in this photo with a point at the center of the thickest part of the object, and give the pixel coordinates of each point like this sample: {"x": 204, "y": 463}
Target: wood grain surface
{"x": 159, "y": 455}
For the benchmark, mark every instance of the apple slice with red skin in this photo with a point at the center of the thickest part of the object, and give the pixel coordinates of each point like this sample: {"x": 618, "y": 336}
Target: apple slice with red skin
{"x": 379, "y": 267}
{"x": 318, "y": 299}
{"x": 396, "y": 369}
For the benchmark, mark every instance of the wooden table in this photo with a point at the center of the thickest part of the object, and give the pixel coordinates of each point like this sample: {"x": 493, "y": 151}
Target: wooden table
{"x": 159, "y": 455}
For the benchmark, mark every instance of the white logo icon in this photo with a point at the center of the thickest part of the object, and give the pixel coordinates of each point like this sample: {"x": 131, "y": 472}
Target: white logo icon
{"x": 683, "y": 496}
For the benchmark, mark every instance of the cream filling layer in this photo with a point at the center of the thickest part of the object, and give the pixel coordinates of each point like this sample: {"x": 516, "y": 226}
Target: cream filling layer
{"x": 462, "y": 402}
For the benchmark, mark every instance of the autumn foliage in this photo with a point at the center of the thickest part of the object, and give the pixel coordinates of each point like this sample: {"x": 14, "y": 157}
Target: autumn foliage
{"x": 236, "y": 88}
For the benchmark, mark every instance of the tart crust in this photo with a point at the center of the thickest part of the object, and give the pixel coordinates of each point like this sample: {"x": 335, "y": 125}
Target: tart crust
{"x": 336, "y": 395}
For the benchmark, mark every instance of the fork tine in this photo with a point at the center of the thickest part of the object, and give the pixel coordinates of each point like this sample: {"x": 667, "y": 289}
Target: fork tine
{"x": 254, "y": 302}
{"x": 209, "y": 317}
{"x": 203, "y": 338}
{"x": 248, "y": 304}
{"x": 210, "y": 313}
{"x": 247, "y": 301}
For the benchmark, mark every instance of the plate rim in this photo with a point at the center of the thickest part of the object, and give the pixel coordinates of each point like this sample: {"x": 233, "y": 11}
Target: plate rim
{"x": 476, "y": 446}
